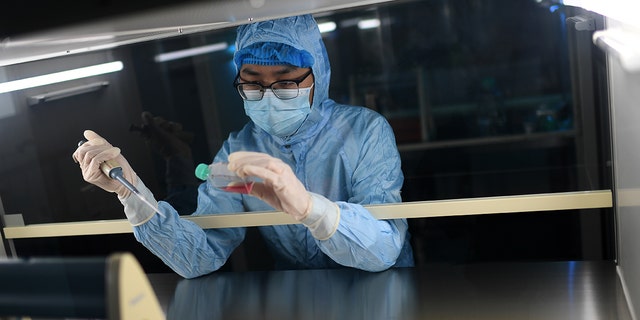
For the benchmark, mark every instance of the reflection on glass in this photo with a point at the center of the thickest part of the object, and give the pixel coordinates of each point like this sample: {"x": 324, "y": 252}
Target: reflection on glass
{"x": 300, "y": 294}
{"x": 481, "y": 104}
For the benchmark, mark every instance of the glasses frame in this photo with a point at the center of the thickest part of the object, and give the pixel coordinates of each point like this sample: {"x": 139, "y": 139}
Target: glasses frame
{"x": 237, "y": 85}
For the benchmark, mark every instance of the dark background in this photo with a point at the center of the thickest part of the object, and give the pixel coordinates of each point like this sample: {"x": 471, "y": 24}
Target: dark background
{"x": 481, "y": 96}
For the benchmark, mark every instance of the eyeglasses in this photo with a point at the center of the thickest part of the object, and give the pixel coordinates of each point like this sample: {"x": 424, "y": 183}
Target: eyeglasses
{"x": 283, "y": 89}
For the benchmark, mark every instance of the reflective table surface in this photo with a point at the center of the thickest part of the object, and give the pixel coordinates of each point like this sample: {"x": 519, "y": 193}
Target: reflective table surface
{"x": 549, "y": 290}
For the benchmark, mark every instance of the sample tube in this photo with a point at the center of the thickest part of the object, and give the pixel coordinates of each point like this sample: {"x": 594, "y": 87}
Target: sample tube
{"x": 221, "y": 177}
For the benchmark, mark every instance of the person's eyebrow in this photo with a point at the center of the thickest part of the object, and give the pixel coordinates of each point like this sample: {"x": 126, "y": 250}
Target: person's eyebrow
{"x": 249, "y": 71}
{"x": 286, "y": 70}
{"x": 280, "y": 71}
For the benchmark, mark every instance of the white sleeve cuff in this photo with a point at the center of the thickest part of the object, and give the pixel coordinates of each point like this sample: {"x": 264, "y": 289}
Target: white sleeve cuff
{"x": 324, "y": 217}
{"x": 136, "y": 210}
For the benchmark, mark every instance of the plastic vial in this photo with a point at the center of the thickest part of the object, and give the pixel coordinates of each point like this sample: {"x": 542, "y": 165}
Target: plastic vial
{"x": 222, "y": 178}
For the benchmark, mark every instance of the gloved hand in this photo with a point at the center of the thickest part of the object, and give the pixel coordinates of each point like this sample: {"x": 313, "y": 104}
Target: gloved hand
{"x": 94, "y": 152}
{"x": 280, "y": 187}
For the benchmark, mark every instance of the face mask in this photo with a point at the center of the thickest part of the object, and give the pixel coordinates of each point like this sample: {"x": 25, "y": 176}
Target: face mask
{"x": 278, "y": 117}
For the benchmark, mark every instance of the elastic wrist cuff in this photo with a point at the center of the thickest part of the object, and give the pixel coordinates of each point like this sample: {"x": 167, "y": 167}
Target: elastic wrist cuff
{"x": 324, "y": 217}
{"x": 136, "y": 210}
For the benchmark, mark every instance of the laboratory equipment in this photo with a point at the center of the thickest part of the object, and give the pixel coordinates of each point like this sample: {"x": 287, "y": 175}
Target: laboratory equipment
{"x": 113, "y": 170}
{"x": 221, "y": 177}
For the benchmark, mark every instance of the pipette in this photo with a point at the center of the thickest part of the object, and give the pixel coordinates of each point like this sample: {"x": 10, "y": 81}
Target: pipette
{"x": 113, "y": 170}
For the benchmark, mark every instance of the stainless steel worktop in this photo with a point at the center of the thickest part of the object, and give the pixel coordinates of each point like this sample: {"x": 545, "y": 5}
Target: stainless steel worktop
{"x": 549, "y": 290}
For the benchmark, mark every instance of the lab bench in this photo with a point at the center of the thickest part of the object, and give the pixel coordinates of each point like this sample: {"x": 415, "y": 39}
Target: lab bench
{"x": 509, "y": 290}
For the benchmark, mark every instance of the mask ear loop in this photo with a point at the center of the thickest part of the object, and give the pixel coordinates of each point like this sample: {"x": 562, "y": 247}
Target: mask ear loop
{"x": 310, "y": 108}
{"x": 311, "y": 93}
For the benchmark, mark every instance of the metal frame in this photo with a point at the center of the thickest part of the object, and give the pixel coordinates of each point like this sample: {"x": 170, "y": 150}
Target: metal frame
{"x": 6, "y": 242}
{"x": 420, "y": 209}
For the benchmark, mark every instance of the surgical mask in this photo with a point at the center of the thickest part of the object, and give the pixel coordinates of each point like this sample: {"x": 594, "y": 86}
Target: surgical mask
{"x": 280, "y": 118}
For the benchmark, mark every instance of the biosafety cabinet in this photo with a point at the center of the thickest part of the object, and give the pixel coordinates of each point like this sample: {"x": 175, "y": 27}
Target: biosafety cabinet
{"x": 515, "y": 122}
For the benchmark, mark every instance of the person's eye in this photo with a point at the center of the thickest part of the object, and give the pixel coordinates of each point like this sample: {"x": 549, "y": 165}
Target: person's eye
{"x": 285, "y": 94}
{"x": 285, "y": 85}
{"x": 253, "y": 94}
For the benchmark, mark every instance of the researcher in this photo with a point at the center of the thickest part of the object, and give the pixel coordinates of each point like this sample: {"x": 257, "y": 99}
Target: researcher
{"x": 312, "y": 158}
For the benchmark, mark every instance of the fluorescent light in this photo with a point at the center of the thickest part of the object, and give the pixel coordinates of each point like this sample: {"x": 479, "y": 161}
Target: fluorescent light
{"x": 326, "y": 26}
{"x": 191, "y": 52}
{"x": 368, "y": 24}
{"x": 60, "y": 76}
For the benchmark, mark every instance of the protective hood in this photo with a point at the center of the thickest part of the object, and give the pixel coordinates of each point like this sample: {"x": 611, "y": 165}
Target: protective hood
{"x": 300, "y": 32}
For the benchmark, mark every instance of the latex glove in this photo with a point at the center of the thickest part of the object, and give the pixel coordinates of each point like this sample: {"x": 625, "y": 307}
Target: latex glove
{"x": 280, "y": 187}
{"x": 96, "y": 151}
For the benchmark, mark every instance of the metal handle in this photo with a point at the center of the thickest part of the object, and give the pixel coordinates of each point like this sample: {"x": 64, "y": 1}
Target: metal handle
{"x": 65, "y": 93}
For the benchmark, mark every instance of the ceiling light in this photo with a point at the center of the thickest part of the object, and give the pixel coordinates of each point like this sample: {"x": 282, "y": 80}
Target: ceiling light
{"x": 180, "y": 54}
{"x": 326, "y": 26}
{"x": 368, "y": 24}
{"x": 60, "y": 76}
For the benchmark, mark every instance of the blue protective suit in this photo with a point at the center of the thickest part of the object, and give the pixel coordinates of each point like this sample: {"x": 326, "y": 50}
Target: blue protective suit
{"x": 344, "y": 153}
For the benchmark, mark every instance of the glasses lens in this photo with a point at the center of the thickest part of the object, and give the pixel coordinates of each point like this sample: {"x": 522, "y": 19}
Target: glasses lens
{"x": 251, "y": 92}
{"x": 285, "y": 89}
